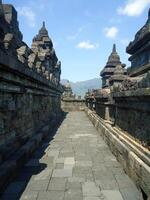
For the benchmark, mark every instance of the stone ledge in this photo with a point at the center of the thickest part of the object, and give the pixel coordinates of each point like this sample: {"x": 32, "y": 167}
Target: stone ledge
{"x": 8, "y": 63}
{"x": 128, "y": 154}
{"x": 9, "y": 169}
{"x": 140, "y": 92}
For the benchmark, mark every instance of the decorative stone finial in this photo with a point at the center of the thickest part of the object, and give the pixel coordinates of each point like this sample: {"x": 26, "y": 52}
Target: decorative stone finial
{"x": 43, "y": 31}
{"x": 114, "y": 48}
{"x": 44, "y": 24}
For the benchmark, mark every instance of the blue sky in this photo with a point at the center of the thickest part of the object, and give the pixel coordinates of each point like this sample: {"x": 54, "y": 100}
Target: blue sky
{"x": 83, "y": 31}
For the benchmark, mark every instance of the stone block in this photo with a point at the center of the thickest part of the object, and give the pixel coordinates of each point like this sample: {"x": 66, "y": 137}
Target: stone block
{"x": 62, "y": 173}
{"x": 111, "y": 194}
{"x": 90, "y": 189}
{"x": 58, "y": 184}
{"x": 51, "y": 195}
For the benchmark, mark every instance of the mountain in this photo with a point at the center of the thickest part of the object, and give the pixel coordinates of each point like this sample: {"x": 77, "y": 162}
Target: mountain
{"x": 81, "y": 87}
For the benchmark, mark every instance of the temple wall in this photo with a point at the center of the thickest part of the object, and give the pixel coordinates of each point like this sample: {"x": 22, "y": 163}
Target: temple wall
{"x": 134, "y": 158}
{"x": 105, "y": 110}
{"x": 72, "y": 105}
{"x": 27, "y": 104}
{"x": 30, "y": 90}
{"x": 133, "y": 114}
{"x": 130, "y": 111}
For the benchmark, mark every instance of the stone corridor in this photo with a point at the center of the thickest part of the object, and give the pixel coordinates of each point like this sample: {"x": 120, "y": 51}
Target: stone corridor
{"x": 75, "y": 165}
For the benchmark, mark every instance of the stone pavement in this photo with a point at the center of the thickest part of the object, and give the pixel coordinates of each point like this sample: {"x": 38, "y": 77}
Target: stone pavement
{"x": 75, "y": 165}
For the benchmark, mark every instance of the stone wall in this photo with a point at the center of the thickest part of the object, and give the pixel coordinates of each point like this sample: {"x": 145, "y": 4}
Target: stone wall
{"x": 132, "y": 113}
{"x": 30, "y": 92}
{"x": 124, "y": 100}
{"x": 134, "y": 158}
{"x": 73, "y": 105}
{"x": 129, "y": 111}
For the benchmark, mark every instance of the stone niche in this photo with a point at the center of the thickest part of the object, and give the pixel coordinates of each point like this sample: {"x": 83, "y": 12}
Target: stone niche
{"x": 30, "y": 91}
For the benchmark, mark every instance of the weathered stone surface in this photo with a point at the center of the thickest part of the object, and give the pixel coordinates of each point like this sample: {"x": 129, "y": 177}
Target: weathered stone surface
{"x": 112, "y": 194}
{"x": 69, "y": 101}
{"x": 58, "y": 184}
{"x": 139, "y": 50}
{"x": 51, "y": 195}
{"x": 93, "y": 181}
{"x": 133, "y": 159}
{"x": 90, "y": 189}
{"x": 62, "y": 173}
{"x": 30, "y": 103}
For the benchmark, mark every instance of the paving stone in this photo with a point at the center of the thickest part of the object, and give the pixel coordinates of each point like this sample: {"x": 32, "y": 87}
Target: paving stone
{"x": 57, "y": 184}
{"x": 107, "y": 184}
{"x": 51, "y": 195}
{"x": 91, "y": 198}
{"x": 29, "y": 195}
{"x": 101, "y": 175}
{"x": 69, "y": 161}
{"x": 90, "y": 189}
{"x": 112, "y": 194}
{"x": 53, "y": 153}
{"x": 60, "y": 160}
{"x": 73, "y": 194}
{"x": 124, "y": 181}
{"x": 37, "y": 185}
{"x": 73, "y": 185}
{"x": 59, "y": 166}
{"x": 66, "y": 154}
{"x": 76, "y": 160}
{"x": 43, "y": 175}
{"x": 76, "y": 179}
{"x": 131, "y": 194}
{"x": 84, "y": 163}
{"x": 62, "y": 173}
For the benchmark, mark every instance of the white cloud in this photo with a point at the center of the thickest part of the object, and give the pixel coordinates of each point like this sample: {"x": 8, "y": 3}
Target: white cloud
{"x": 28, "y": 13}
{"x": 133, "y": 7}
{"x": 87, "y": 45}
{"x": 111, "y": 32}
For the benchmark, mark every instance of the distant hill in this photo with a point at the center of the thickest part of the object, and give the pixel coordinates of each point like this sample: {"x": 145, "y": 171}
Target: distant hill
{"x": 81, "y": 87}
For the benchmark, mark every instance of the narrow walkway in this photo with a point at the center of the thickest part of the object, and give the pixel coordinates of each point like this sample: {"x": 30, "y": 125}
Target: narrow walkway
{"x": 75, "y": 165}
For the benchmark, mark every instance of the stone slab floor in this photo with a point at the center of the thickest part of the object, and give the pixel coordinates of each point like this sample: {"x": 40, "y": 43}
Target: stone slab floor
{"x": 75, "y": 165}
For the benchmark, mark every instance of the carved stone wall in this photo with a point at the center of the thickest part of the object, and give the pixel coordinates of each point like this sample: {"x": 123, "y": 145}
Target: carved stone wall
{"x": 73, "y": 105}
{"x": 126, "y": 102}
{"x": 30, "y": 92}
